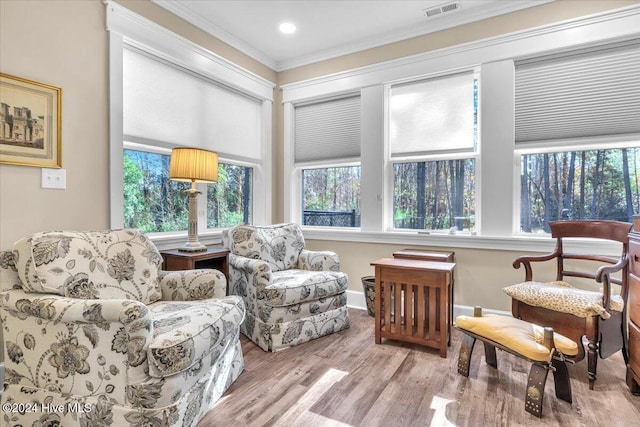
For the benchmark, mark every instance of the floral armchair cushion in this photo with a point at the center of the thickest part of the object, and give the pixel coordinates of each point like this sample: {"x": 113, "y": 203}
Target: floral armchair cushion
{"x": 184, "y": 332}
{"x": 278, "y": 245}
{"x": 114, "y": 264}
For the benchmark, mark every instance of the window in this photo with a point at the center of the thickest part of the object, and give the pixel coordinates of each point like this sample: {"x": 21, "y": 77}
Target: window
{"x": 164, "y": 106}
{"x": 167, "y": 91}
{"x": 153, "y": 203}
{"x": 433, "y": 145}
{"x": 582, "y": 98}
{"x": 589, "y": 184}
{"x": 328, "y": 132}
{"x": 229, "y": 200}
{"x": 331, "y": 196}
{"x": 434, "y": 195}
{"x": 466, "y": 109}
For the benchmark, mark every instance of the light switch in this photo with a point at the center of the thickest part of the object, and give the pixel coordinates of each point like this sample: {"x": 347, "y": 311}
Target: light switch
{"x": 54, "y": 178}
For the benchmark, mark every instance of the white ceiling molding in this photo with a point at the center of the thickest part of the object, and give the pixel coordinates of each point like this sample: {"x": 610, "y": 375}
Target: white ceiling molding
{"x": 440, "y": 24}
{"x": 465, "y": 16}
{"x": 615, "y": 25}
{"x": 140, "y": 32}
{"x": 204, "y": 24}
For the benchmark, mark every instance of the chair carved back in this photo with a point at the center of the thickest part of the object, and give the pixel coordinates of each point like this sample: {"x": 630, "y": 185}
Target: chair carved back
{"x": 602, "y": 230}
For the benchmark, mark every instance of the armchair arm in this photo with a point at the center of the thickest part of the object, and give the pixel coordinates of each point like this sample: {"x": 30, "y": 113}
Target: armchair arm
{"x": 526, "y": 260}
{"x": 250, "y": 265}
{"x": 603, "y": 276}
{"x": 78, "y": 347}
{"x": 248, "y": 278}
{"x": 318, "y": 260}
{"x": 192, "y": 285}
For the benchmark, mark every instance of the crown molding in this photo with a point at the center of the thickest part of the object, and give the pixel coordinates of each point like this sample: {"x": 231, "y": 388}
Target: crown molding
{"x": 438, "y": 24}
{"x": 204, "y": 24}
{"x": 435, "y": 25}
{"x": 613, "y": 25}
{"x": 140, "y": 32}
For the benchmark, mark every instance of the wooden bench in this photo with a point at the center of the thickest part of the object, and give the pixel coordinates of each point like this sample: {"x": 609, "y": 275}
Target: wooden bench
{"x": 545, "y": 350}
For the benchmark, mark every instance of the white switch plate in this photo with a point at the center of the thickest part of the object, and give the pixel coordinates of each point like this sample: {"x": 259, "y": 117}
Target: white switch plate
{"x": 54, "y": 178}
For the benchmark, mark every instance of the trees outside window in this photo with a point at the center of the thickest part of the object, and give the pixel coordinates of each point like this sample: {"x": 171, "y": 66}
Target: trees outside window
{"x": 331, "y": 196}
{"x": 434, "y": 195}
{"x": 229, "y": 200}
{"x": 154, "y": 203}
{"x": 589, "y": 184}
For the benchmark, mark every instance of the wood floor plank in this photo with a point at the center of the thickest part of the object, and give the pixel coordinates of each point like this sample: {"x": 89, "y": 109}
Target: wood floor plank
{"x": 345, "y": 379}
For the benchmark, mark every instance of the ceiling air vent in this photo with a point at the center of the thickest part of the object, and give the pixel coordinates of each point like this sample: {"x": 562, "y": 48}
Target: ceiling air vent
{"x": 442, "y": 9}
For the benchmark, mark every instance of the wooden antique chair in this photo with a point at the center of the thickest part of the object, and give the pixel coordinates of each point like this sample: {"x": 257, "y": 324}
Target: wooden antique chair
{"x": 600, "y": 316}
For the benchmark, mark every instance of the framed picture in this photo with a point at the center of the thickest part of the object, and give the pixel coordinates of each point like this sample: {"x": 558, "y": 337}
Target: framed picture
{"x": 30, "y": 123}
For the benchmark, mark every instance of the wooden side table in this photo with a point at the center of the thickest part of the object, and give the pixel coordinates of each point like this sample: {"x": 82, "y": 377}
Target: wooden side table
{"x": 440, "y": 256}
{"x": 211, "y": 258}
{"x": 421, "y": 302}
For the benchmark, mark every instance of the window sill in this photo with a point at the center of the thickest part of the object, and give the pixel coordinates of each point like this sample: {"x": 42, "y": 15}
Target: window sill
{"x": 523, "y": 243}
{"x": 166, "y": 241}
{"x": 543, "y": 244}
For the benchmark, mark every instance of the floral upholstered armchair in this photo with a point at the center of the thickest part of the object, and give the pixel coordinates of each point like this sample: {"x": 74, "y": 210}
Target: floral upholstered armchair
{"x": 95, "y": 334}
{"x": 292, "y": 295}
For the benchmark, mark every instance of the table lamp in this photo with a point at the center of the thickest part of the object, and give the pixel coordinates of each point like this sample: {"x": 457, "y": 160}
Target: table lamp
{"x": 193, "y": 165}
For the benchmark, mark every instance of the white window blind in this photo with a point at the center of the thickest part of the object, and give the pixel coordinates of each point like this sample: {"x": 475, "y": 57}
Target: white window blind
{"x": 162, "y": 102}
{"x": 435, "y": 115}
{"x": 327, "y": 130}
{"x": 579, "y": 94}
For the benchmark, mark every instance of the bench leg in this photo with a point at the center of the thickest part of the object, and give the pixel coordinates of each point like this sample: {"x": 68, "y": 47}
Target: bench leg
{"x": 535, "y": 389}
{"x": 561, "y": 380}
{"x": 490, "y": 355}
{"x": 464, "y": 357}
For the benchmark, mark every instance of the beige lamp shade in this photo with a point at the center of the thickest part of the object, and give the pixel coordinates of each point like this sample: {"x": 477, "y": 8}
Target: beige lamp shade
{"x": 193, "y": 165}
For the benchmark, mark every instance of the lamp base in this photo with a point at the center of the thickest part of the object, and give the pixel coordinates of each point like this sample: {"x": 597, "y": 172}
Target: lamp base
{"x": 193, "y": 247}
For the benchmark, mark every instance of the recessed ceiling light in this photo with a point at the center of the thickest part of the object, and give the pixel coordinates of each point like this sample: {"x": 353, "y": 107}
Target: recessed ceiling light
{"x": 287, "y": 28}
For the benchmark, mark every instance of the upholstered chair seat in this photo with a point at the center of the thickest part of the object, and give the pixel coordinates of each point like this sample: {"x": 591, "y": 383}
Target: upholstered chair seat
{"x": 292, "y": 294}
{"x": 90, "y": 320}
{"x": 565, "y": 298}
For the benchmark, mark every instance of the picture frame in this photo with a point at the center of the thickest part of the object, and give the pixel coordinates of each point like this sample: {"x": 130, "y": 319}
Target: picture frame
{"x": 30, "y": 123}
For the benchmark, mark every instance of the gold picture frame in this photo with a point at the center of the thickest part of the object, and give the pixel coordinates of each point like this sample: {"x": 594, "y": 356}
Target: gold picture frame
{"x": 30, "y": 123}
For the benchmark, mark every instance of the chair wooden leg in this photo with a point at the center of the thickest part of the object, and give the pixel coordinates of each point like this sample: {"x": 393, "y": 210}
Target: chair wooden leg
{"x": 464, "y": 357}
{"x": 535, "y": 389}
{"x": 592, "y": 362}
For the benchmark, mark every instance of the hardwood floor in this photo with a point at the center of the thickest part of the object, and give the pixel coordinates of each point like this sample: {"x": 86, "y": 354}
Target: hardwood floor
{"x": 345, "y": 379}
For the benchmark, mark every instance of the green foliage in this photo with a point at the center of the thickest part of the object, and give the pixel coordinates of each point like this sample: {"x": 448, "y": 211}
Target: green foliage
{"x": 434, "y": 195}
{"x": 153, "y": 203}
{"x": 229, "y": 200}
{"x": 593, "y": 184}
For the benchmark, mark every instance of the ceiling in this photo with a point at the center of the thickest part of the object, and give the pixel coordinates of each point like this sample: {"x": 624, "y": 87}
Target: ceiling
{"x": 327, "y": 28}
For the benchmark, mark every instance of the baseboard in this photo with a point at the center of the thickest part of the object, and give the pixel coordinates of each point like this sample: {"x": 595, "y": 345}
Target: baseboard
{"x": 355, "y": 299}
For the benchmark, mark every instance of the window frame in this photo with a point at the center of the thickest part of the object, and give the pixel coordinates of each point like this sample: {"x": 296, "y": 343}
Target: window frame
{"x": 496, "y": 191}
{"x": 557, "y": 147}
{"x": 202, "y": 187}
{"x": 294, "y": 168}
{"x": 126, "y": 28}
{"x": 300, "y": 167}
{"x": 453, "y": 154}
